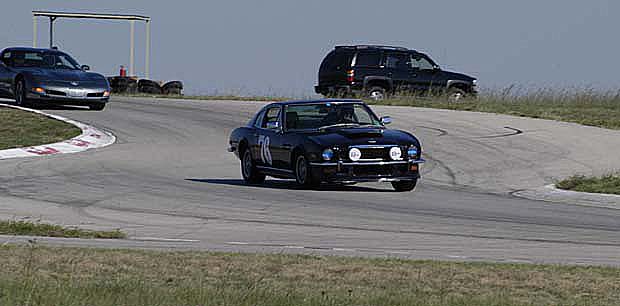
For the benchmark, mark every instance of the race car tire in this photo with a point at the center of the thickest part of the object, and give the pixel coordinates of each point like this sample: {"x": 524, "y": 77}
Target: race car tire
{"x": 250, "y": 173}
{"x": 403, "y": 186}
{"x": 303, "y": 175}
{"x": 98, "y": 106}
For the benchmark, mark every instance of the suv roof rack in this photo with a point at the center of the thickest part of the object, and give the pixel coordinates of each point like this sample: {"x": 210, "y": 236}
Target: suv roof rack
{"x": 374, "y": 47}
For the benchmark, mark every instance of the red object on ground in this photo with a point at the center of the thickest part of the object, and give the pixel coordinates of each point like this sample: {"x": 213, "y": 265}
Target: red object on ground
{"x": 123, "y": 71}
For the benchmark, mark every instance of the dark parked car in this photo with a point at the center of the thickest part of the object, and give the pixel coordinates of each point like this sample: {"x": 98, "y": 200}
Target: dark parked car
{"x": 31, "y": 75}
{"x": 376, "y": 71}
{"x": 335, "y": 141}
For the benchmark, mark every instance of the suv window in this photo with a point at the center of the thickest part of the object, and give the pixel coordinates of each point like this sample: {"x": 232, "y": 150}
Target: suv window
{"x": 271, "y": 116}
{"x": 335, "y": 61}
{"x": 421, "y": 62}
{"x": 398, "y": 61}
{"x": 368, "y": 59}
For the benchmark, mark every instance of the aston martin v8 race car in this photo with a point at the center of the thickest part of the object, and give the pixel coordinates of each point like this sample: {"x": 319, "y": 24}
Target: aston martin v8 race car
{"x": 333, "y": 141}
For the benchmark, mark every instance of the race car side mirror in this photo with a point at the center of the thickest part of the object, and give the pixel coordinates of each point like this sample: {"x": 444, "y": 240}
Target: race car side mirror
{"x": 273, "y": 125}
{"x": 85, "y": 67}
{"x": 386, "y": 120}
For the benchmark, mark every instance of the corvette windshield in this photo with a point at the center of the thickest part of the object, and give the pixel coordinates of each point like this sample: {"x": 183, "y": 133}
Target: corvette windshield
{"x": 49, "y": 60}
{"x": 326, "y": 115}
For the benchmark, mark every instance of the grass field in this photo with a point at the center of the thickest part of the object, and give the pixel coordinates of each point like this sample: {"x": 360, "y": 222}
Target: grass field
{"x": 34, "y": 275}
{"x": 25, "y": 228}
{"x": 609, "y": 184}
{"x": 24, "y": 129}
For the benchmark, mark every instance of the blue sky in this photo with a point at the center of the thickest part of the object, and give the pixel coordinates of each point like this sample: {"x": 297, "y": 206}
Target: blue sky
{"x": 275, "y": 46}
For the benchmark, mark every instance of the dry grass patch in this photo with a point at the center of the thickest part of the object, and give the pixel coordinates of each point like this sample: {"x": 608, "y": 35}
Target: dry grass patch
{"x": 25, "y": 228}
{"x": 23, "y": 129}
{"x": 122, "y": 277}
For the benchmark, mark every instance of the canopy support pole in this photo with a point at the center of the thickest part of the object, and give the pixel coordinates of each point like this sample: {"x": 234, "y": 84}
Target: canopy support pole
{"x": 132, "y": 47}
{"x": 147, "y": 56}
{"x": 34, "y": 31}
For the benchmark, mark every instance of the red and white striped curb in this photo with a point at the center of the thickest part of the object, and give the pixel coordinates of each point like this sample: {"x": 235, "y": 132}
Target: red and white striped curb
{"x": 91, "y": 138}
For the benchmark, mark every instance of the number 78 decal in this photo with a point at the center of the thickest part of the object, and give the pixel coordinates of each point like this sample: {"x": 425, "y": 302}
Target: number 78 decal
{"x": 265, "y": 154}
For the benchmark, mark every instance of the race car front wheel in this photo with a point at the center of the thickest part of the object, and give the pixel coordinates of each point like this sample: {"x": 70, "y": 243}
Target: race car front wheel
{"x": 402, "y": 186}
{"x": 250, "y": 173}
{"x": 303, "y": 175}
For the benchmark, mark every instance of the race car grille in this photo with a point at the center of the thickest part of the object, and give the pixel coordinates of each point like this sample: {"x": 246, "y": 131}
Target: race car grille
{"x": 374, "y": 153}
{"x": 95, "y": 95}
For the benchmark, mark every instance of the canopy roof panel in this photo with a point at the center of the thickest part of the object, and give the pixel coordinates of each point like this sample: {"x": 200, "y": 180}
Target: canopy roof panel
{"x": 90, "y": 16}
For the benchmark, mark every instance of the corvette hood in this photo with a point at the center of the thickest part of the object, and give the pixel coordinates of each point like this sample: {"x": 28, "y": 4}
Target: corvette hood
{"x": 64, "y": 75}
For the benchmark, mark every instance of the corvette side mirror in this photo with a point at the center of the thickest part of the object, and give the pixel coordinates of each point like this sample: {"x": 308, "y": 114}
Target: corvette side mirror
{"x": 386, "y": 120}
{"x": 85, "y": 67}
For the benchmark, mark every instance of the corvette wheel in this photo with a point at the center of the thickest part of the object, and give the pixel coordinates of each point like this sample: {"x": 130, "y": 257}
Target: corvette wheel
{"x": 20, "y": 93}
{"x": 98, "y": 106}
{"x": 303, "y": 175}
{"x": 250, "y": 174}
{"x": 402, "y": 186}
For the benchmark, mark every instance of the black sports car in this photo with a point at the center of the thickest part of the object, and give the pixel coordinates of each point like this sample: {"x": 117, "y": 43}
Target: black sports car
{"x": 336, "y": 141}
{"x": 31, "y": 75}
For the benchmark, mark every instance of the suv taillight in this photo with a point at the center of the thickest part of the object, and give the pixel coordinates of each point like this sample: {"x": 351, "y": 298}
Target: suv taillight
{"x": 351, "y": 76}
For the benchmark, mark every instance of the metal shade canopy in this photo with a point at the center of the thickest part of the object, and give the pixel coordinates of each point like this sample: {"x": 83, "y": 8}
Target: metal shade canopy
{"x": 131, "y": 18}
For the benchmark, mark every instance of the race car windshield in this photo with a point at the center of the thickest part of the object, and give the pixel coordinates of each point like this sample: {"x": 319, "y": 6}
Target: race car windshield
{"x": 321, "y": 116}
{"x": 46, "y": 60}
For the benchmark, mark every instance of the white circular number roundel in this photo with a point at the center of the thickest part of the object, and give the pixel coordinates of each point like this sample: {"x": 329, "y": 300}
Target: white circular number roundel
{"x": 355, "y": 154}
{"x": 396, "y": 153}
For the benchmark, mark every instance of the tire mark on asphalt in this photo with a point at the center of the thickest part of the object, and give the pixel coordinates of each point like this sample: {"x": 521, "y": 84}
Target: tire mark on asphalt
{"x": 513, "y": 133}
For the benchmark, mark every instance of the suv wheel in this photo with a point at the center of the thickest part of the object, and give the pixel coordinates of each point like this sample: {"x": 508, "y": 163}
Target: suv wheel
{"x": 456, "y": 95}
{"x": 376, "y": 93}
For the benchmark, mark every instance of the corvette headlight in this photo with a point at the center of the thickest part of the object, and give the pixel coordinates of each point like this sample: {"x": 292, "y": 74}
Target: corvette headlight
{"x": 396, "y": 153}
{"x": 328, "y": 154}
{"x": 412, "y": 152}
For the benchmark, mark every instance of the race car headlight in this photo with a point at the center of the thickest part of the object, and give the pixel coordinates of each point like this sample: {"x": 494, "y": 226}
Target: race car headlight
{"x": 412, "y": 152}
{"x": 396, "y": 153}
{"x": 328, "y": 154}
{"x": 474, "y": 82}
{"x": 106, "y": 93}
{"x": 355, "y": 154}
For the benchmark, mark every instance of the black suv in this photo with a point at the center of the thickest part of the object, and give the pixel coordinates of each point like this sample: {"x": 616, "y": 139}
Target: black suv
{"x": 377, "y": 71}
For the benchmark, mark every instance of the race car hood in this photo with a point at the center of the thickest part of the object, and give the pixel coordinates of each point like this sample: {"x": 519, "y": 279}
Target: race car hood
{"x": 64, "y": 75}
{"x": 363, "y": 136}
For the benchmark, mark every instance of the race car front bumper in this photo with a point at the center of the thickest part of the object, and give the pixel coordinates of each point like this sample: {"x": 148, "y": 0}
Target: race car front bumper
{"x": 376, "y": 171}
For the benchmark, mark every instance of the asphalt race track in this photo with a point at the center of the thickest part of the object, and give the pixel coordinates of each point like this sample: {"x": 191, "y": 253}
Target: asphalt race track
{"x": 169, "y": 183}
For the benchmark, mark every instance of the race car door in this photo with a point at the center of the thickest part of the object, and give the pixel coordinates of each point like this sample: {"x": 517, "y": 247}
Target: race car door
{"x": 270, "y": 154}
